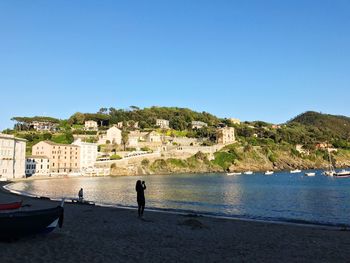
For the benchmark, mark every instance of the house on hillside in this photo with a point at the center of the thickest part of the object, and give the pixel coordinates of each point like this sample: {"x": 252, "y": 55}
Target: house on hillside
{"x": 113, "y": 136}
{"x": 164, "y": 124}
{"x": 300, "y": 149}
{"x": 276, "y": 126}
{"x": 129, "y": 124}
{"x": 91, "y": 126}
{"x": 226, "y": 135}
{"x": 153, "y": 137}
{"x": 323, "y": 146}
{"x": 44, "y": 126}
{"x": 198, "y": 124}
{"x": 234, "y": 121}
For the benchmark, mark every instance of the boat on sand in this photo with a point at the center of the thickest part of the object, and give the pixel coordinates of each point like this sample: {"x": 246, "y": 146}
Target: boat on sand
{"x": 16, "y": 224}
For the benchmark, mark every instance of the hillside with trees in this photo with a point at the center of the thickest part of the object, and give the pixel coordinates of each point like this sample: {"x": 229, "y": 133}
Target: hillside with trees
{"x": 333, "y": 125}
{"x": 259, "y": 144}
{"x": 179, "y": 118}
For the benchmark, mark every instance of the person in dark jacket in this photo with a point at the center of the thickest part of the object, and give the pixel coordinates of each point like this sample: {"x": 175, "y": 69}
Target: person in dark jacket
{"x": 81, "y": 195}
{"x": 140, "y": 189}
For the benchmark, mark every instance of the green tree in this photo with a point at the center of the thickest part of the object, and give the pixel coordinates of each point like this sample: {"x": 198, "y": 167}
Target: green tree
{"x": 125, "y": 138}
{"x": 77, "y": 118}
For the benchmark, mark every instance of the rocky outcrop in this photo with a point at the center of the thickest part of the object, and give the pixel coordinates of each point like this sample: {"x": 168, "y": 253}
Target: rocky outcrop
{"x": 256, "y": 159}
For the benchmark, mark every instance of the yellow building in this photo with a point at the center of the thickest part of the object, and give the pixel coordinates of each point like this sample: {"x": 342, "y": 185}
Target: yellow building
{"x": 63, "y": 158}
{"x": 226, "y": 135}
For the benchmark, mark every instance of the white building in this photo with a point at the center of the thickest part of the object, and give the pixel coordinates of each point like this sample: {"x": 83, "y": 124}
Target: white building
{"x": 88, "y": 154}
{"x": 12, "y": 157}
{"x": 129, "y": 124}
{"x": 133, "y": 142}
{"x": 44, "y": 126}
{"x": 198, "y": 124}
{"x": 91, "y": 126}
{"x": 153, "y": 137}
{"x": 113, "y": 136}
{"x": 164, "y": 124}
{"x": 37, "y": 166}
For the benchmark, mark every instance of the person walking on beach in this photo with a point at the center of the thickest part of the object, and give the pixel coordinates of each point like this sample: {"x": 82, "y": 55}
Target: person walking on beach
{"x": 81, "y": 195}
{"x": 140, "y": 189}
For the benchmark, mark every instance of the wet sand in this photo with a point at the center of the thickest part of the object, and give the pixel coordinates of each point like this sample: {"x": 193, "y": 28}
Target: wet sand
{"x": 98, "y": 234}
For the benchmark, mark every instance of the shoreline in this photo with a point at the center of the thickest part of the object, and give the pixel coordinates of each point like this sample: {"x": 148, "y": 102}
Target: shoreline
{"x": 103, "y": 234}
{"x": 159, "y": 174}
{"x": 191, "y": 213}
{"x": 193, "y": 173}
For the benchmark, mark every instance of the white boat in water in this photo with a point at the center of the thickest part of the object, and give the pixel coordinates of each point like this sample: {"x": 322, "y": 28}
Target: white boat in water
{"x": 295, "y": 171}
{"x": 268, "y": 172}
{"x": 248, "y": 172}
{"x": 233, "y": 173}
{"x": 343, "y": 173}
{"x": 310, "y": 174}
{"x": 331, "y": 171}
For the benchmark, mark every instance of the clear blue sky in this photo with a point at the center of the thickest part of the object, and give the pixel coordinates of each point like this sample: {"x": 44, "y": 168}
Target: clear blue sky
{"x": 253, "y": 60}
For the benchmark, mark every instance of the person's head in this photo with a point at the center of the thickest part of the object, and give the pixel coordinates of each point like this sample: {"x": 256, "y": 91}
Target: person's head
{"x": 138, "y": 183}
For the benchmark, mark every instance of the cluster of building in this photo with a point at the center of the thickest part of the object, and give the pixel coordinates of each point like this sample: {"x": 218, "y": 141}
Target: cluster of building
{"x": 49, "y": 158}
{"x": 42, "y": 126}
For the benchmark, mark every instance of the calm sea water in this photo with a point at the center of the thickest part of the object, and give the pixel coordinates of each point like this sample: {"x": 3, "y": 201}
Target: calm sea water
{"x": 282, "y": 196}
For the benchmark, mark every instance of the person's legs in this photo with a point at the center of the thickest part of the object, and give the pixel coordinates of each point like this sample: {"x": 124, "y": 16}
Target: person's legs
{"x": 139, "y": 210}
{"x": 142, "y": 208}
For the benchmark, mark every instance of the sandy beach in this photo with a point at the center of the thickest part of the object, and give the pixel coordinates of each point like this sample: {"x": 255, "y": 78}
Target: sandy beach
{"x": 99, "y": 234}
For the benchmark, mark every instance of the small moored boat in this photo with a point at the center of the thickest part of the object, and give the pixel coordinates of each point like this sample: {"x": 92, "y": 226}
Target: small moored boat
{"x": 310, "y": 174}
{"x": 15, "y": 224}
{"x": 10, "y": 206}
{"x": 233, "y": 173}
{"x": 342, "y": 173}
{"x": 268, "y": 172}
{"x": 295, "y": 171}
{"x": 248, "y": 172}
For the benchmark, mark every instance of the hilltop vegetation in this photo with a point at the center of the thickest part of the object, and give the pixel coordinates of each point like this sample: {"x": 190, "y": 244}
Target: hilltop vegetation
{"x": 179, "y": 118}
{"x": 36, "y": 118}
{"x": 336, "y": 127}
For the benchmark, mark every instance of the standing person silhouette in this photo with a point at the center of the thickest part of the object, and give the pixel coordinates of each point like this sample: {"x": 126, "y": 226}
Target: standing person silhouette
{"x": 140, "y": 189}
{"x": 81, "y": 195}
